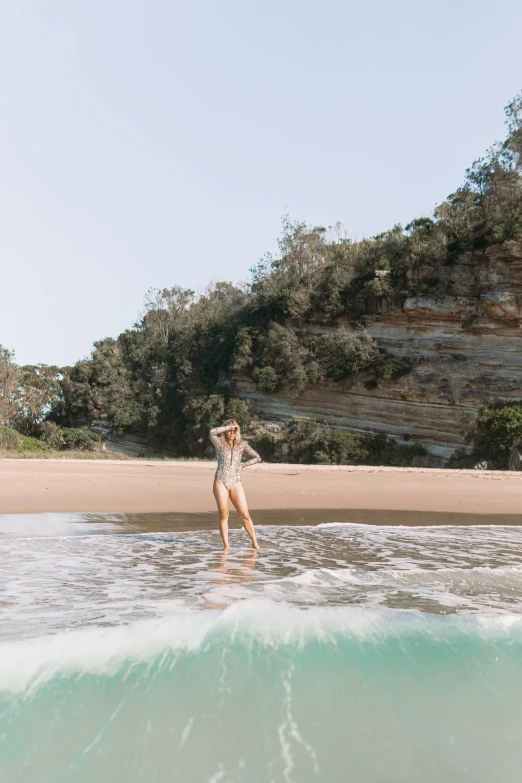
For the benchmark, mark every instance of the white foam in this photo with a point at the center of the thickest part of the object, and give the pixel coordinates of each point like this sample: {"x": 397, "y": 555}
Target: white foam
{"x": 29, "y": 664}
{"x": 97, "y": 650}
{"x": 84, "y": 581}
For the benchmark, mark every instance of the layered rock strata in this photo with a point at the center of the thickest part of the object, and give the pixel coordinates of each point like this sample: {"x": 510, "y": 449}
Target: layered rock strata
{"x": 462, "y": 336}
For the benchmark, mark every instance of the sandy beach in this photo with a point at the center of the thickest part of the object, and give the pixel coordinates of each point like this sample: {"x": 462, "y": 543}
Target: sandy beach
{"x": 31, "y": 486}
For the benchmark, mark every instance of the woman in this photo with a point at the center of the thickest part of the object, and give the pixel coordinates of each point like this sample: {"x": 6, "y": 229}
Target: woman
{"x": 227, "y": 483}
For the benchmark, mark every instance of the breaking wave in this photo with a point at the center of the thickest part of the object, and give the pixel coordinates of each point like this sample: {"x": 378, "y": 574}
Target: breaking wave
{"x": 264, "y": 691}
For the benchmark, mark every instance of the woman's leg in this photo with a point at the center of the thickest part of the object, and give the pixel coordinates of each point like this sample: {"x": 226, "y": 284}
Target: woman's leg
{"x": 221, "y": 495}
{"x": 238, "y": 498}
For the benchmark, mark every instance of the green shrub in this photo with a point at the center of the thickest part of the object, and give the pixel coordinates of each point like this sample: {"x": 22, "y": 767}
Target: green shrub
{"x": 81, "y": 439}
{"x": 266, "y": 379}
{"x": 242, "y": 358}
{"x": 11, "y": 440}
{"x": 462, "y": 459}
{"x": 383, "y": 450}
{"x": 298, "y": 441}
{"x": 339, "y": 447}
{"x": 281, "y": 359}
{"x": 498, "y": 428}
{"x": 388, "y": 367}
{"x": 344, "y": 353}
{"x": 51, "y": 434}
{"x": 314, "y": 373}
{"x": 265, "y": 444}
{"x": 237, "y": 409}
{"x": 305, "y": 441}
{"x": 201, "y": 414}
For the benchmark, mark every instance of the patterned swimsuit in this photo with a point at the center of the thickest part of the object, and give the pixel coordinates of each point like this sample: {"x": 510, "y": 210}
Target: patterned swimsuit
{"x": 229, "y": 458}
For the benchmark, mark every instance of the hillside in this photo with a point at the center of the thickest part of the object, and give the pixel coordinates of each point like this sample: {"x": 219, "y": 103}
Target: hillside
{"x": 390, "y": 346}
{"x": 461, "y": 339}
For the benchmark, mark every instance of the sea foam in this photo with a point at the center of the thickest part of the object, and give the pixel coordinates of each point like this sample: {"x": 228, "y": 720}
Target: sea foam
{"x": 266, "y": 691}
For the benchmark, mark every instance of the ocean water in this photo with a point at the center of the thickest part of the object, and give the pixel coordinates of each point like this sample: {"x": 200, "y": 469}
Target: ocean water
{"x": 133, "y": 651}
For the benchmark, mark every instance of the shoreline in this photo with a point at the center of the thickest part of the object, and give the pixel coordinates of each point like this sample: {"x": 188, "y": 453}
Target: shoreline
{"x": 150, "y": 486}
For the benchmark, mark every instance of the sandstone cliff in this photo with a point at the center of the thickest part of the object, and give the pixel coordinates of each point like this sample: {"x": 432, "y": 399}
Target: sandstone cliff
{"x": 463, "y": 339}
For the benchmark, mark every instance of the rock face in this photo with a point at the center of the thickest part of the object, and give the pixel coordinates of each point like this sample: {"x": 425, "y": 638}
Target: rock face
{"x": 131, "y": 445}
{"x": 463, "y": 336}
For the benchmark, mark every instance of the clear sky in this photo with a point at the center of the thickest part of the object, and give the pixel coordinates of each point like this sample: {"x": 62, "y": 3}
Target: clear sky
{"x": 147, "y": 143}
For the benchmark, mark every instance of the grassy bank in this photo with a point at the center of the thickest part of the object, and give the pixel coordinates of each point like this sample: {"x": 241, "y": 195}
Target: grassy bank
{"x": 13, "y": 445}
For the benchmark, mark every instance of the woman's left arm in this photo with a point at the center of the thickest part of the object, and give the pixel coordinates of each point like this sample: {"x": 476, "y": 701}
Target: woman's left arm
{"x": 251, "y": 453}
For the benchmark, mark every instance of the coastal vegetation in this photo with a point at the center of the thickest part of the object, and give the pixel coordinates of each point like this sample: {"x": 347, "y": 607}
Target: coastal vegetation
{"x": 494, "y": 439}
{"x": 297, "y": 324}
{"x": 28, "y": 396}
{"x": 13, "y": 445}
{"x": 306, "y": 441}
{"x": 498, "y": 430}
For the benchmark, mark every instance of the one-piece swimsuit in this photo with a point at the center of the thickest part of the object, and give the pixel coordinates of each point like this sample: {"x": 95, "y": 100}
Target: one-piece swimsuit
{"x": 229, "y": 458}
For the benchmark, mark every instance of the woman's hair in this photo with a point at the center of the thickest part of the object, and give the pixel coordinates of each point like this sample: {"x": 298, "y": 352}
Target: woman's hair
{"x": 237, "y": 439}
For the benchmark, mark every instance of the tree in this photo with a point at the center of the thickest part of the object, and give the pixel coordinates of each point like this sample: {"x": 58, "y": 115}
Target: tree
{"x": 286, "y": 282}
{"x": 167, "y": 310}
{"x": 39, "y": 391}
{"x": 204, "y": 413}
{"x": 344, "y": 353}
{"x": 498, "y": 428}
{"x": 513, "y": 143}
{"x": 302, "y": 250}
{"x": 9, "y": 381}
{"x": 282, "y": 359}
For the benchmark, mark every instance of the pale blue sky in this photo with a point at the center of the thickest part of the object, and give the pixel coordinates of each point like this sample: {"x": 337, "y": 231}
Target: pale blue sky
{"x": 153, "y": 142}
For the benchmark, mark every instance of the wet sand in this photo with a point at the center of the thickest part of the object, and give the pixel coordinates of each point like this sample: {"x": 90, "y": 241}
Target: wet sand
{"x": 400, "y": 495}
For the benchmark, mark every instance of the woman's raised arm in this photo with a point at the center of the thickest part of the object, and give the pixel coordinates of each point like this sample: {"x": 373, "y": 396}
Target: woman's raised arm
{"x": 216, "y": 431}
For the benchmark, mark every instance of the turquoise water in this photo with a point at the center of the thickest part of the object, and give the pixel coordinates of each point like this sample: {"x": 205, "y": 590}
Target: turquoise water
{"x": 343, "y": 653}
